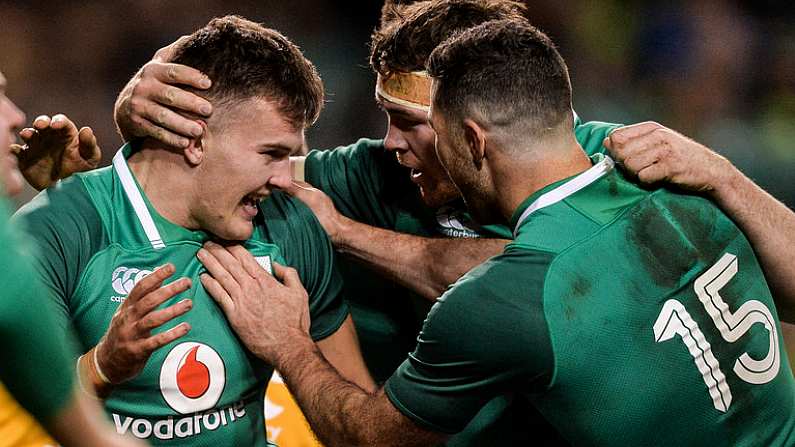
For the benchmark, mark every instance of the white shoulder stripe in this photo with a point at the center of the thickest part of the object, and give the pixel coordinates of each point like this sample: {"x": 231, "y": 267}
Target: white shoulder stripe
{"x": 561, "y": 192}
{"x": 137, "y": 201}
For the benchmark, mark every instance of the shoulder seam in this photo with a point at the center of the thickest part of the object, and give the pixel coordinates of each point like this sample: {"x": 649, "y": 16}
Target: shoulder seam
{"x": 94, "y": 199}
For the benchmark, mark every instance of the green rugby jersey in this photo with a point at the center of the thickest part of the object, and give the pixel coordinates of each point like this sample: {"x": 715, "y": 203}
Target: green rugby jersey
{"x": 37, "y": 366}
{"x": 99, "y": 235}
{"x": 673, "y": 340}
{"x": 366, "y": 184}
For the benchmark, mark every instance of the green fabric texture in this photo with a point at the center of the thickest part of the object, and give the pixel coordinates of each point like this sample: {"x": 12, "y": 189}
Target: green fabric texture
{"x": 218, "y": 399}
{"x": 38, "y": 366}
{"x": 573, "y": 313}
{"x": 366, "y": 184}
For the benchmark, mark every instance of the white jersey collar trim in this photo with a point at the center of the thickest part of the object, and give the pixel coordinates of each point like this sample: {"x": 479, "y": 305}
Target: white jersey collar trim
{"x": 593, "y": 174}
{"x": 137, "y": 200}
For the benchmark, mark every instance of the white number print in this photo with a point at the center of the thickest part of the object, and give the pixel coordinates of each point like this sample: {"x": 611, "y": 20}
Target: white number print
{"x": 732, "y": 326}
{"x": 675, "y": 320}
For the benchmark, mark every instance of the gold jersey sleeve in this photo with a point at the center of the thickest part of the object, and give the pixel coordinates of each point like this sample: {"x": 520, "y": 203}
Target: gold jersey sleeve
{"x": 17, "y": 426}
{"x": 286, "y": 424}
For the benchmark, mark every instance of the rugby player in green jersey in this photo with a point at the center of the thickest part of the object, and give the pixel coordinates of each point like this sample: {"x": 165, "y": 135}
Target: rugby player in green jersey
{"x": 164, "y": 358}
{"x": 144, "y": 108}
{"x": 674, "y": 340}
{"x": 373, "y": 214}
{"x": 365, "y": 183}
{"x": 37, "y": 366}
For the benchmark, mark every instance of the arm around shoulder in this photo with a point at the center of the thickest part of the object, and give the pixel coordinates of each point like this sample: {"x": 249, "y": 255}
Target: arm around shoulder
{"x": 770, "y": 227}
{"x": 656, "y": 154}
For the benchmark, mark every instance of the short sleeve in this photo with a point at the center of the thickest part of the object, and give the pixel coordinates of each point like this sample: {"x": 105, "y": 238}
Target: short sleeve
{"x": 37, "y": 366}
{"x": 485, "y": 337}
{"x": 307, "y": 248}
{"x": 364, "y": 181}
{"x": 65, "y": 229}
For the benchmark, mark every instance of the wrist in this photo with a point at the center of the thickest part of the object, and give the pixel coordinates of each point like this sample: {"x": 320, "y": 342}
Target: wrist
{"x": 90, "y": 376}
{"x": 287, "y": 357}
{"x": 343, "y": 230}
{"x": 727, "y": 180}
{"x": 348, "y": 233}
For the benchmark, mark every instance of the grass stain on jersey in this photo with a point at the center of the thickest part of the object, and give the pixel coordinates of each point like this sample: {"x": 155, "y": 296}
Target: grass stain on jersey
{"x": 664, "y": 250}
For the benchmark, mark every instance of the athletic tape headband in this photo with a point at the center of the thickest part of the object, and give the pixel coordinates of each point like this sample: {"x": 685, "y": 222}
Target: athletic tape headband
{"x": 412, "y": 90}
{"x": 406, "y": 89}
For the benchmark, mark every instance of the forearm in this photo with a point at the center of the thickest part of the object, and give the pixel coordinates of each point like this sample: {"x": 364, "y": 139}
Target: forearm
{"x": 328, "y": 401}
{"x": 424, "y": 265}
{"x": 341, "y": 413}
{"x": 81, "y": 423}
{"x": 770, "y": 227}
{"x": 341, "y": 350}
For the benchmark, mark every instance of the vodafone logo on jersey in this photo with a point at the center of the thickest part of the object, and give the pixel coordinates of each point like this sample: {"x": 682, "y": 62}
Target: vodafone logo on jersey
{"x": 123, "y": 279}
{"x": 192, "y": 380}
{"x": 192, "y": 377}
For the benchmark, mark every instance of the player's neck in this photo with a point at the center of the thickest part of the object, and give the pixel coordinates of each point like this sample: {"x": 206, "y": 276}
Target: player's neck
{"x": 166, "y": 180}
{"x": 518, "y": 178}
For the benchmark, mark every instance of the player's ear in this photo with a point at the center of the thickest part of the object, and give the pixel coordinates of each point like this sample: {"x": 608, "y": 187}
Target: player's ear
{"x": 475, "y": 139}
{"x": 194, "y": 153}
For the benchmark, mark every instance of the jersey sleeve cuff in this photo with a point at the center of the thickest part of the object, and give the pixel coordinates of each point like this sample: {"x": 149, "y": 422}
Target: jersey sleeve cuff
{"x": 391, "y": 393}
{"x": 332, "y": 327}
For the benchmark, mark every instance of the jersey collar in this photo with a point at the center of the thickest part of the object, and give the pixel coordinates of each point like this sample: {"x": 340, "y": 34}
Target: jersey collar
{"x": 157, "y": 229}
{"x": 558, "y": 191}
{"x": 136, "y": 198}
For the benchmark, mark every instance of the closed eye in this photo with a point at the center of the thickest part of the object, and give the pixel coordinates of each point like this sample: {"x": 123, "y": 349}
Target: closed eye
{"x": 272, "y": 154}
{"x": 276, "y": 154}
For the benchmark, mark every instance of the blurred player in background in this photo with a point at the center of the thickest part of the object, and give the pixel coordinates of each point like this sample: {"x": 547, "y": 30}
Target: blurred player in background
{"x": 37, "y": 366}
{"x": 627, "y": 316}
{"x": 159, "y": 350}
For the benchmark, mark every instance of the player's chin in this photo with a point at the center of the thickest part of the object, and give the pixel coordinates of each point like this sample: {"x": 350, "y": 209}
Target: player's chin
{"x": 434, "y": 197}
{"x": 239, "y": 229}
{"x": 13, "y": 181}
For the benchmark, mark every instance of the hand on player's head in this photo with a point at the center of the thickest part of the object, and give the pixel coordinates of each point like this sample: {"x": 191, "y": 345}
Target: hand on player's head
{"x": 152, "y": 102}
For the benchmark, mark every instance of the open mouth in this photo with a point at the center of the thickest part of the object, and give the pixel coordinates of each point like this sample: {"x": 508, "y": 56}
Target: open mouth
{"x": 415, "y": 172}
{"x": 249, "y": 205}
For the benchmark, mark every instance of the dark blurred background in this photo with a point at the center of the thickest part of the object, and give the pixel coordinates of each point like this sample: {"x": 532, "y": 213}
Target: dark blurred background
{"x": 720, "y": 71}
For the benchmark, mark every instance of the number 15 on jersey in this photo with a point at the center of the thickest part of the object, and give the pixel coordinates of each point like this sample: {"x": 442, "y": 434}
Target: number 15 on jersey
{"x": 674, "y": 320}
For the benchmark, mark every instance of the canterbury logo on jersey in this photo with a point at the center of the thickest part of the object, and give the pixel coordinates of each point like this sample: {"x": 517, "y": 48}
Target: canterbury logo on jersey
{"x": 123, "y": 279}
{"x": 452, "y": 222}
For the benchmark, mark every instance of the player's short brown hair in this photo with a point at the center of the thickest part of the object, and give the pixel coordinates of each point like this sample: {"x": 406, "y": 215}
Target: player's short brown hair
{"x": 504, "y": 71}
{"x": 405, "y": 42}
{"x": 392, "y": 9}
{"x": 247, "y": 60}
